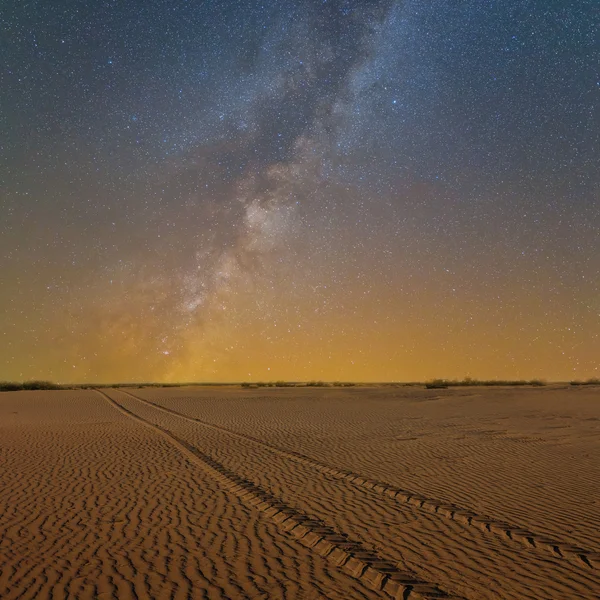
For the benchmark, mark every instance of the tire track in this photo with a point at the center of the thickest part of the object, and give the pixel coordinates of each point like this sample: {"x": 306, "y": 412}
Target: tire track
{"x": 467, "y": 517}
{"x": 112, "y": 510}
{"x": 499, "y": 453}
{"x": 369, "y": 568}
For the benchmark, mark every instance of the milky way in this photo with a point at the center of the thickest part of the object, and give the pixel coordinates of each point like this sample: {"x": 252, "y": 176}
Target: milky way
{"x": 207, "y": 191}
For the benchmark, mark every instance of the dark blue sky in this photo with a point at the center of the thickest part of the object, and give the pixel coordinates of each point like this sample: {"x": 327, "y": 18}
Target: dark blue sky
{"x": 426, "y": 168}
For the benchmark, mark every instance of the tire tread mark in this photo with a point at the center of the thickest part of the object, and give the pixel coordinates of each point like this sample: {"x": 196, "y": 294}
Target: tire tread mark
{"x": 469, "y": 518}
{"x": 369, "y": 568}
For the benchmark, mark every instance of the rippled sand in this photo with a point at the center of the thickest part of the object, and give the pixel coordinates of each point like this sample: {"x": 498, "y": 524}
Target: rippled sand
{"x": 300, "y": 493}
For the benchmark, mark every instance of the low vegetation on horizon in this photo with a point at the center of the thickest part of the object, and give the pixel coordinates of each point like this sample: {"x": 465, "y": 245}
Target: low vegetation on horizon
{"x": 592, "y": 381}
{"x": 468, "y": 381}
{"x": 259, "y": 384}
{"x": 13, "y": 386}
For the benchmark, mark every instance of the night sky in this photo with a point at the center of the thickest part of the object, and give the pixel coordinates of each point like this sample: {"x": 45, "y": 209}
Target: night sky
{"x": 310, "y": 189}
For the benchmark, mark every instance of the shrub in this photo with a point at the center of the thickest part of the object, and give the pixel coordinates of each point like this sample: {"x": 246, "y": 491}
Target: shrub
{"x": 40, "y": 385}
{"x": 10, "y": 386}
{"x": 437, "y": 384}
{"x": 445, "y": 383}
{"x": 592, "y": 381}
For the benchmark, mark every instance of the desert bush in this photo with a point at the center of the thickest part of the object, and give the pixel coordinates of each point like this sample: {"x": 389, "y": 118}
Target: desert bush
{"x": 316, "y": 384}
{"x": 40, "y": 385}
{"x": 468, "y": 381}
{"x": 437, "y": 384}
{"x": 591, "y": 381}
{"x": 537, "y": 382}
{"x": 10, "y": 386}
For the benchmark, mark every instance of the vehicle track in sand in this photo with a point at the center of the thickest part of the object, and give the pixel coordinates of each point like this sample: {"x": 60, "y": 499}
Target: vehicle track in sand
{"x": 462, "y": 560}
{"x": 515, "y": 533}
{"x": 372, "y": 570}
{"x": 93, "y": 505}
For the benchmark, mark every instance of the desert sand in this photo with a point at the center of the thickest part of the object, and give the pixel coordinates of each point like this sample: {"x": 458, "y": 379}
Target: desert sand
{"x": 379, "y": 492}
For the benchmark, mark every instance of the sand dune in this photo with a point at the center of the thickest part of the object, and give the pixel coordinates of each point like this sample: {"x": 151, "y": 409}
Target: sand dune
{"x": 300, "y": 493}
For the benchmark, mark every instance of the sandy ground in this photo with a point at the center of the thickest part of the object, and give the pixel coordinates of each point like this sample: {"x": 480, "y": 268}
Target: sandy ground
{"x": 470, "y": 493}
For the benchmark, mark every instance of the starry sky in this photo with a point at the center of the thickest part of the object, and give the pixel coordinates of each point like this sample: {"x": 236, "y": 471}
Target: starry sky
{"x": 225, "y": 190}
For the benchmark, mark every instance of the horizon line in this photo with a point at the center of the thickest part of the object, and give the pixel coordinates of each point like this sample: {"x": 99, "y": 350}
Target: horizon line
{"x": 33, "y": 384}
